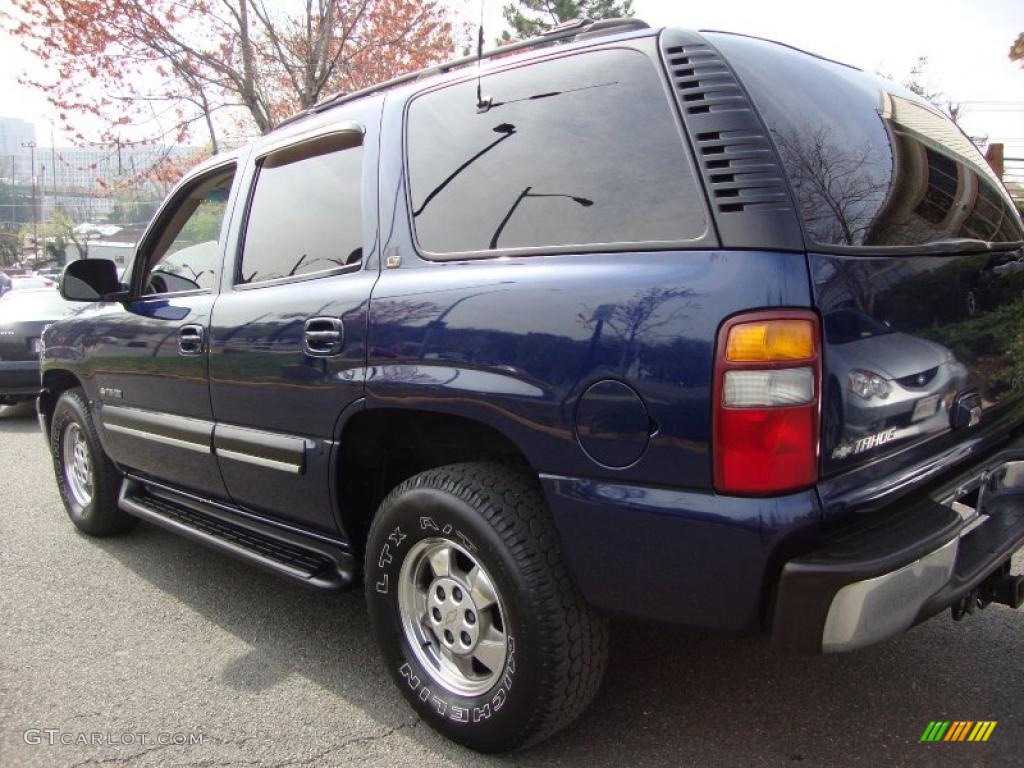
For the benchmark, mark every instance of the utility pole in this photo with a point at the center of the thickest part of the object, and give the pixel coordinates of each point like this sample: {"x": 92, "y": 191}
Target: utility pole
{"x": 31, "y": 146}
{"x": 53, "y": 166}
{"x": 14, "y": 206}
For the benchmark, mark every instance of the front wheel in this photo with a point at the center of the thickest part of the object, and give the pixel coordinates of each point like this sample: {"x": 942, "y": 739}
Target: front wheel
{"x": 87, "y": 479}
{"x": 474, "y": 610}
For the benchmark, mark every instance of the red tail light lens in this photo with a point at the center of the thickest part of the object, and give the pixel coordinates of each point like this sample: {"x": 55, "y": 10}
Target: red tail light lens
{"x": 766, "y": 403}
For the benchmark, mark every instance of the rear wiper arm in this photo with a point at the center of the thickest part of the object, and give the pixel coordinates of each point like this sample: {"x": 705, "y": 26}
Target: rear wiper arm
{"x": 946, "y": 246}
{"x": 958, "y": 244}
{"x": 963, "y": 244}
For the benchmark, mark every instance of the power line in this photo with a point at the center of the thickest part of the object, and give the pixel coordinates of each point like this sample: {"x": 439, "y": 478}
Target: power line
{"x": 991, "y": 101}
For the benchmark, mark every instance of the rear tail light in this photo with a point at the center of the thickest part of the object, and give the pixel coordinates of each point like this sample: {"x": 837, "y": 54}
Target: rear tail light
{"x": 766, "y": 403}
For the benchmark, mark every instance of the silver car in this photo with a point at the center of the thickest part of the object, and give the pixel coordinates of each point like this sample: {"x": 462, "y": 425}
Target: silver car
{"x": 885, "y": 385}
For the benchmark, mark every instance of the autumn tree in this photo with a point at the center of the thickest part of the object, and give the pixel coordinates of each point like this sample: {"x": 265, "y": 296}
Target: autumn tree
{"x": 529, "y": 18}
{"x": 155, "y": 71}
{"x": 1017, "y": 49}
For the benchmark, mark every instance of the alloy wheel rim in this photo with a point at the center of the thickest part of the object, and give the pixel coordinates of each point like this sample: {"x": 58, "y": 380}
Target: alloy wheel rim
{"x": 77, "y": 465}
{"x": 453, "y": 617}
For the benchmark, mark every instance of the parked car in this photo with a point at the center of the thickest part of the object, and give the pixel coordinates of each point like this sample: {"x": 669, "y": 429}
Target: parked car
{"x": 523, "y": 347}
{"x": 881, "y": 380}
{"x": 24, "y": 314}
{"x": 50, "y": 273}
{"x": 31, "y": 282}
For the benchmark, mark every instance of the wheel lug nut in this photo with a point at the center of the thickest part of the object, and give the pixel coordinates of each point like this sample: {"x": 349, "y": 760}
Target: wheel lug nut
{"x": 457, "y": 595}
{"x": 470, "y": 618}
{"x": 448, "y": 637}
{"x": 466, "y": 639}
{"x": 440, "y": 593}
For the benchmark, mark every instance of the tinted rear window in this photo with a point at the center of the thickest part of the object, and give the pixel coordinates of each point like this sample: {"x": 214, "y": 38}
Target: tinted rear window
{"x": 871, "y": 164}
{"x": 577, "y": 151}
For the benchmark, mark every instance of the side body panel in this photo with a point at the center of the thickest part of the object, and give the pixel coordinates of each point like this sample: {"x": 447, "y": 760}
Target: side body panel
{"x": 514, "y": 343}
{"x": 150, "y": 394}
{"x": 275, "y": 405}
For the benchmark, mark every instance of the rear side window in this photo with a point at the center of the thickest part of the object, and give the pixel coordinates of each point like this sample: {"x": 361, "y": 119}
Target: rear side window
{"x": 305, "y": 216}
{"x": 578, "y": 151}
{"x": 871, "y": 164}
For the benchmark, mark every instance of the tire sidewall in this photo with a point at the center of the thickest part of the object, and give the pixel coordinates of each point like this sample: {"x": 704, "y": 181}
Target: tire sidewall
{"x": 70, "y": 410}
{"x": 495, "y": 720}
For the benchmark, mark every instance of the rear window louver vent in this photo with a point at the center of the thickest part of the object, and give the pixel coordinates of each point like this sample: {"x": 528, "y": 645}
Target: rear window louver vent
{"x": 738, "y": 162}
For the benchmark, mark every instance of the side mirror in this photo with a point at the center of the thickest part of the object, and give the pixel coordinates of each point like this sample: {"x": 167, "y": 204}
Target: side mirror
{"x": 90, "y": 280}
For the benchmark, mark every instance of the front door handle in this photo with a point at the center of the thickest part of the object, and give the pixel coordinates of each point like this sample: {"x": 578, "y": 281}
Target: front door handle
{"x": 323, "y": 337}
{"x": 190, "y": 340}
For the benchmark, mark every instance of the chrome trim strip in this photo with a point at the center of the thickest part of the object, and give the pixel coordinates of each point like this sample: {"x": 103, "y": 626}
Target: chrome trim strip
{"x": 270, "y": 450}
{"x": 164, "y": 439}
{"x": 165, "y": 428}
{"x": 259, "y": 461}
{"x": 867, "y": 611}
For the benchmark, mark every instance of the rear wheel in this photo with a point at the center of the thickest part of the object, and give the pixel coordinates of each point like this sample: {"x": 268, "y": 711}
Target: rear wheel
{"x": 87, "y": 479}
{"x": 474, "y": 610}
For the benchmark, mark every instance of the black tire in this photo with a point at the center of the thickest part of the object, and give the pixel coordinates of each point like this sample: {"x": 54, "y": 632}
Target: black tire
{"x": 557, "y": 646}
{"x": 101, "y": 515}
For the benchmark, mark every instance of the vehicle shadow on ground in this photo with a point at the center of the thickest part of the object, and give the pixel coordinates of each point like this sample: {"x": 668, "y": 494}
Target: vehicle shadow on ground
{"x": 670, "y": 697}
{"x": 18, "y": 419}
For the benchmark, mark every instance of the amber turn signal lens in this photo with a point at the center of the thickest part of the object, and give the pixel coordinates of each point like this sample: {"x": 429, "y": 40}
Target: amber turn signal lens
{"x": 770, "y": 341}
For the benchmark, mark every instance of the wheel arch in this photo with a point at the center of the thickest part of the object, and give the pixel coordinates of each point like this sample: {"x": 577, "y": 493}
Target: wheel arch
{"x": 380, "y": 447}
{"x": 55, "y": 381}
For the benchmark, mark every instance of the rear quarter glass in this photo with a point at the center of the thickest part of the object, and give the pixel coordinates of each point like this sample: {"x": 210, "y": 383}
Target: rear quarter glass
{"x": 582, "y": 150}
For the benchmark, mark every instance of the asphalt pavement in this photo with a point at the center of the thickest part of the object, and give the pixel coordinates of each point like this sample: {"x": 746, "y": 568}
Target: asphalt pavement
{"x": 114, "y": 652}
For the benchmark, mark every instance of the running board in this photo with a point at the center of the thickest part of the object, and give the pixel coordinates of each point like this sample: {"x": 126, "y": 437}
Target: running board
{"x": 322, "y": 564}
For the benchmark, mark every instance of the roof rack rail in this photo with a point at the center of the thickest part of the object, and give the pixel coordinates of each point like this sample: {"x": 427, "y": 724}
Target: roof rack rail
{"x": 575, "y": 27}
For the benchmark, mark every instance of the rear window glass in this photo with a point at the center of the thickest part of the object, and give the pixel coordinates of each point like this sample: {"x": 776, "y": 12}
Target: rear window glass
{"x": 871, "y": 164}
{"x": 577, "y": 151}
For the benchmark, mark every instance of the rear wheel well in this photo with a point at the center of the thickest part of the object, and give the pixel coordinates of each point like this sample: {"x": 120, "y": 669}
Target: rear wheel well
{"x": 382, "y": 447}
{"x": 55, "y": 383}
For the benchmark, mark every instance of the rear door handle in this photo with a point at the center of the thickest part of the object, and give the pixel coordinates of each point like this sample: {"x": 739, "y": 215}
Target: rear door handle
{"x": 190, "y": 340}
{"x": 323, "y": 337}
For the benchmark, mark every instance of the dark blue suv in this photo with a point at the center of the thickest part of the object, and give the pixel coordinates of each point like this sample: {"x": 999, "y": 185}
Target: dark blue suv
{"x": 690, "y": 327}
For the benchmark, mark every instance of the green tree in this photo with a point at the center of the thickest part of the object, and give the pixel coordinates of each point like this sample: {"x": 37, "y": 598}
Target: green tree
{"x": 8, "y": 248}
{"x": 58, "y": 232}
{"x": 15, "y": 203}
{"x": 529, "y": 18}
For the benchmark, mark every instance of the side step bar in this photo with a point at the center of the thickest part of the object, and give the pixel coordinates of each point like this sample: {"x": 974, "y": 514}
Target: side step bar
{"x": 307, "y": 559}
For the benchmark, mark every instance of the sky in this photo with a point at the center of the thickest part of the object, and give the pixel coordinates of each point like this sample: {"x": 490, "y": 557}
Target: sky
{"x": 966, "y": 42}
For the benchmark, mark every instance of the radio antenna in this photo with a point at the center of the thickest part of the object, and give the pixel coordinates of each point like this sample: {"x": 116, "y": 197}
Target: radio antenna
{"x": 482, "y": 104}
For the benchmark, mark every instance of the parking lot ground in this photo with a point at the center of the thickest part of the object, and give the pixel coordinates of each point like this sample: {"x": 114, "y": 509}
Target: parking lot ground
{"x": 146, "y": 636}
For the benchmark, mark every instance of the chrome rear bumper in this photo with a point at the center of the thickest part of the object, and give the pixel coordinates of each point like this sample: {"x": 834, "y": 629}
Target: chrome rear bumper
{"x": 882, "y": 574}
